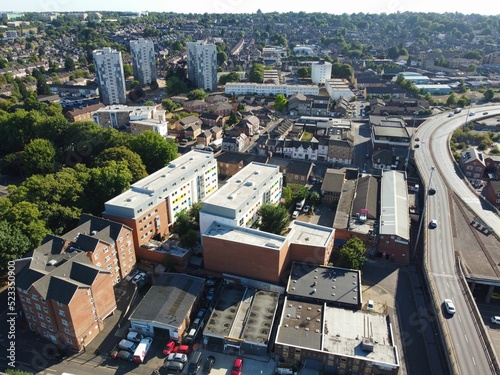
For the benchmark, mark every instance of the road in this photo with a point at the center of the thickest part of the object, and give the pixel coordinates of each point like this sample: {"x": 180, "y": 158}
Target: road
{"x": 434, "y": 134}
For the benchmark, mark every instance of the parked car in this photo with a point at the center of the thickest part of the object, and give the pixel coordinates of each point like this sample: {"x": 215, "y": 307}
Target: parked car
{"x": 495, "y": 319}
{"x": 127, "y": 345}
{"x": 134, "y": 336}
{"x": 211, "y": 294}
{"x": 174, "y": 366}
{"x": 122, "y": 354}
{"x": 306, "y": 209}
{"x": 485, "y": 113}
{"x": 209, "y": 363}
{"x": 138, "y": 277}
{"x": 178, "y": 357}
{"x": 295, "y": 214}
{"x": 432, "y": 191}
{"x": 449, "y": 306}
{"x": 237, "y": 366}
{"x": 370, "y": 305}
{"x": 185, "y": 349}
{"x": 132, "y": 274}
{"x": 169, "y": 347}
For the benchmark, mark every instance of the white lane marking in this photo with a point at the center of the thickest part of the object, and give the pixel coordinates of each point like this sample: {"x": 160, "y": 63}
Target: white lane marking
{"x": 466, "y": 339}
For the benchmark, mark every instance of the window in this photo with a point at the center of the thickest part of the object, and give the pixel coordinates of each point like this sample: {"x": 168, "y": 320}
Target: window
{"x": 42, "y": 324}
{"x": 40, "y": 316}
{"x": 107, "y": 258}
{"x": 28, "y": 300}
{"x": 45, "y": 310}
{"x": 88, "y": 292}
{"x": 70, "y": 341}
{"x": 96, "y": 255}
{"x": 66, "y": 331}
{"x": 37, "y": 306}
{"x": 62, "y": 313}
{"x": 48, "y": 320}
{"x": 64, "y": 322}
{"x": 59, "y": 304}
{"x": 51, "y": 329}
{"x": 34, "y": 297}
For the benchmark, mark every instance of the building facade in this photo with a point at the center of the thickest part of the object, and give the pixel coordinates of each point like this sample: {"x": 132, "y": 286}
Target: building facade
{"x": 202, "y": 65}
{"x": 143, "y": 61}
{"x": 110, "y": 78}
{"x": 321, "y": 71}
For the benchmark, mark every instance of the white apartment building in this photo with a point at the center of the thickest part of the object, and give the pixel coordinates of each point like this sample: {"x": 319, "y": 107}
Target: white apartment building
{"x": 248, "y": 88}
{"x": 238, "y": 201}
{"x": 337, "y": 88}
{"x": 110, "y": 78}
{"x": 202, "y": 65}
{"x": 143, "y": 60}
{"x": 150, "y": 205}
{"x": 114, "y": 116}
{"x": 320, "y": 71}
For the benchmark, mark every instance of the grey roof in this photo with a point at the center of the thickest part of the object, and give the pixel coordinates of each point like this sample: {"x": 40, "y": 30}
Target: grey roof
{"x": 332, "y": 285}
{"x": 170, "y": 300}
{"x": 394, "y": 207}
{"x": 333, "y": 180}
{"x": 292, "y": 166}
{"x": 366, "y": 197}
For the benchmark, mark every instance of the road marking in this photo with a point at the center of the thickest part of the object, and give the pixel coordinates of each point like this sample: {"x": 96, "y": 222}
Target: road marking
{"x": 459, "y": 318}
{"x": 473, "y": 360}
{"x": 448, "y": 284}
{"x": 466, "y": 339}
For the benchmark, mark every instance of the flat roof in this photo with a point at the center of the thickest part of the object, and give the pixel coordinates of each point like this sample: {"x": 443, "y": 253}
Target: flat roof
{"x": 242, "y": 185}
{"x": 345, "y": 330}
{"x": 390, "y": 131}
{"x": 245, "y": 235}
{"x": 170, "y": 300}
{"x": 394, "y": 208}
{"x": 329, "y": 284}
{"x": 309, "y": 234}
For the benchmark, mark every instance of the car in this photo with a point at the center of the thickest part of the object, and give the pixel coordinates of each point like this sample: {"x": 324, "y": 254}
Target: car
{"x": 306, "y": 209}
{"x": 210, "y": 282}
{"x": 367, "y": 156}
{"x": 431, "y": 191}
{"x": 169, "y": 347}
{"x": 122, "y": 354}
{"x": 449, "y": 306}
{"x": 138, "y": 277}
{"x": 495, "y": 319}
{"x": 174, "y": 366}
{"x": 433, "y": 224}
{"x": 209, "y": 363}
{"x": 370, "y": 305}
{"x": 132, "y": 274}
{"x": 295, "y": 214}
{"x": 485, "y": 113}
{"x": 472, "y": 113}
{"x": 237, "y": 366}
{"x": 451, "y": 114}
{"x": 178, "y": 357}
{"x": 417, "y": 139}
{"x": 211, "y": 294}
{"x": 184, "y": 349}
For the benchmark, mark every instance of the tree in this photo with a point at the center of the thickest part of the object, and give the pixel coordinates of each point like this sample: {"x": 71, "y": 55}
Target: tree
{"x": 123, "y": 154}
{"x": 154, "y": 150}
{"x": 280, "y": 102}
{"x": 13, "y": 242}
{"x": 257, "y": 73}
{"x": 176, "y": 86}
{"x": 197, "y": 94}
{"x": 221, "y": 58}
{"x": 489, "y": 94}
{"x": 273, "y": 219}
{"x": 352, "y": 254}
{"x": 169, "y": 105}
{"x": 299, "y": 192}
{"x": 69, "y": 64}
{"x": 315, "y": 197}
{"x": 38, "y": 157}
{"x": 231, "y": 77}
{"x": 149, "y": 103}
{"x": 127, "y": 70}
{"x": 304, "y": 72}
{"x": 452, "y": 99}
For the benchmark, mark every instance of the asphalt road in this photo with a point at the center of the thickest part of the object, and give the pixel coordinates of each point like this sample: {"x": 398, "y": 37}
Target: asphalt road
{"x": 434, "y": 134}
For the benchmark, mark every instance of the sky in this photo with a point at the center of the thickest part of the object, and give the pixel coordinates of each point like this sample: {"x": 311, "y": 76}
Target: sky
{"x": 485, "y": 7}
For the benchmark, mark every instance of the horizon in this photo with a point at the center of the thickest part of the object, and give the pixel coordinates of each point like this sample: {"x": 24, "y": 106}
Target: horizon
{"x": 480, "y": 7}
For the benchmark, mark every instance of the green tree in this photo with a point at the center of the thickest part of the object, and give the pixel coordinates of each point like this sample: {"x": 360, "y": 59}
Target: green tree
{"x": 127, "y": 70}
{"x": 280, "y": 102}
{"x": 315, "y": 198}
{"x": 221, "y": 58}
{"x": 352, "y": 254}
{"x": 38, "y": 157}
{"x": 17, "y": 372}
{"x": 304, "y": 72}
{"x": 197, "y": 94}
{"x": 273, "y": 219}
{"x": 231, "y": 77}
{"x": 189, "y": 239}
{"x": 69, "y": 64}
{"x": 299, "y": 192}
{"x": 452, "y": 100}
{"x": 169, "y": 105}
{"x": 123, "y": 154}
{"x": 489, "y": 94}
{"x": 154, "y": 150}
{"x": 176, "y": 86}
{"x": 13, "y": 243}
{"x": 257, "y": 73}
{"x": 149, "y": 103}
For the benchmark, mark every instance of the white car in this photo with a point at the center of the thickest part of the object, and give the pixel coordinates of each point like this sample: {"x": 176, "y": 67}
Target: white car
{"x": 495, "y": 319}
{"x": 177, "y": 357}
{"x": 472, "y": 113}
{"x": 449, "y": 306}
{"x": 138, "y": 277}
{"x": 295, "y": 214}
{"x": 370, "y": 305}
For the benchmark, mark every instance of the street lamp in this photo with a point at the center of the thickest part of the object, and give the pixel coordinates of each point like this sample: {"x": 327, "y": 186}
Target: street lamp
{"x": 411, "y": 139}
{"x": 423, "y": 212}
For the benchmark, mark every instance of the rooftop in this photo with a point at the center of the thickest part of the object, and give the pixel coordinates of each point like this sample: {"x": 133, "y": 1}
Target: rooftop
{"x": 394, "y": 208}
{"x": 309, "y": 234}
{"x": 332, "y": 285}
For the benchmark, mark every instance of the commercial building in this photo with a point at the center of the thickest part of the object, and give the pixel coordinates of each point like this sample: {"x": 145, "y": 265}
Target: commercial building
{"x": 321, "y": 71}
{"x": 109, "y": 74}
{"x": 66, "y": 286}
{"x": 165, "y": 311}
{"x": 143, "y": 61}
{"x": 237, "y": 202}
{"x": 150, "y": 205}
{"x": 202, "y": 64}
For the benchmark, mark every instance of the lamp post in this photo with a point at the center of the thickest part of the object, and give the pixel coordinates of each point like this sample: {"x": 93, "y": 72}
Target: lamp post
{"x": 411, "y": 139}
{"x": 423, "y": 212}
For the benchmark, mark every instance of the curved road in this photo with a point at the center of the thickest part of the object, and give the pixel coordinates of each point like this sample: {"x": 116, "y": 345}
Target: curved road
{"x": 434, "y": 134}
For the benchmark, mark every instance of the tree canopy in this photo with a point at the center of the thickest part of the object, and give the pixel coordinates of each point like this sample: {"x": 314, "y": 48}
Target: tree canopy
{"x": 352, "y": 254}
{"x": 154, "y": 150}
{"x": 273, "y": 219}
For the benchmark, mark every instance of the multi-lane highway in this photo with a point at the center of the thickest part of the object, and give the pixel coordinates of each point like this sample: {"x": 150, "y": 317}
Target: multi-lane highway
{"x": 434, "y": 152}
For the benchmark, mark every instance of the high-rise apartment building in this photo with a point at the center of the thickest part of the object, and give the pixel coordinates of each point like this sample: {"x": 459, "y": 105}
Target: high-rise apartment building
{"x": 110, "y": 78}
{"x": 321, "y": 71}
{"x": 143, "y": 61}
{"x": 202, "y": 64}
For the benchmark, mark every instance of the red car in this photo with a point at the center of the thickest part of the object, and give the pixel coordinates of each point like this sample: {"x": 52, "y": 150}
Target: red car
{"x": 237, "y": 366}
{"x": 169, "y": 347}
{"x": 184, "y": 349}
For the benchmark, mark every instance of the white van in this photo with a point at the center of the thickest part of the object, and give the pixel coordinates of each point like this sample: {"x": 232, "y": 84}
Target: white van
{"x": 142, "y": 349}
{"x": 127, "y": 345}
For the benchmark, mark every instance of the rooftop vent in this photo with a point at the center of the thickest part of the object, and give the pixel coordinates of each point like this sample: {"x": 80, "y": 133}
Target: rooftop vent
{"x": 52, "y": 262}
{"x": 367, "y": 344}
{"x": 307, "y": 329}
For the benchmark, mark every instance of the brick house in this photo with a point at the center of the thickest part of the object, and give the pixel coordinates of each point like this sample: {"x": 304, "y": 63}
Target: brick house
{"x": 211, "y": 119}
{"x": 473, "y": 165}
{"x": 493, "y": 193}
{"x": 83, "y": 114}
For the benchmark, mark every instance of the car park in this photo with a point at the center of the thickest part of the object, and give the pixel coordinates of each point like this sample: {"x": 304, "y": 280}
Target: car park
{"x": 495, "y": 319}
{"x": 169, "y": 347}
{"x": 195, "y": 363}
{"x": 449, "y": 306}
{"x": 433, "y": 224}
{"x": 237, "y": 366}
{"x": 209, "y": 363}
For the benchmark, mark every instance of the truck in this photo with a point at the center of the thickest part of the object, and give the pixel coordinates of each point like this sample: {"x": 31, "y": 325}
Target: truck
{"x": 300, "y": 205}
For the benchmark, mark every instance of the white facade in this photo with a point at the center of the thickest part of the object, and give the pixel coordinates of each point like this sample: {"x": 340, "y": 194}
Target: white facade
{"x": 247, "y": 88}
{"x": 337, "y": 88}
{"x": 202, "y": 65}
{"x": 110, "y": 78}
{"x": 238, "y": 201}
{"x": 320, "y": 71}
{"x": 143, "y": 61}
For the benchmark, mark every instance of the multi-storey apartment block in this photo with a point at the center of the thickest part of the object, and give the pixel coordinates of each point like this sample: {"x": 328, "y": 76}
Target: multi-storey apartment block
{"x": 110, "y": 77}
{"x": 143, "y": 61}
{"x": 202, "y": 64}
{"x": 238, "y": 201}
{"x": 150, "y": 205}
